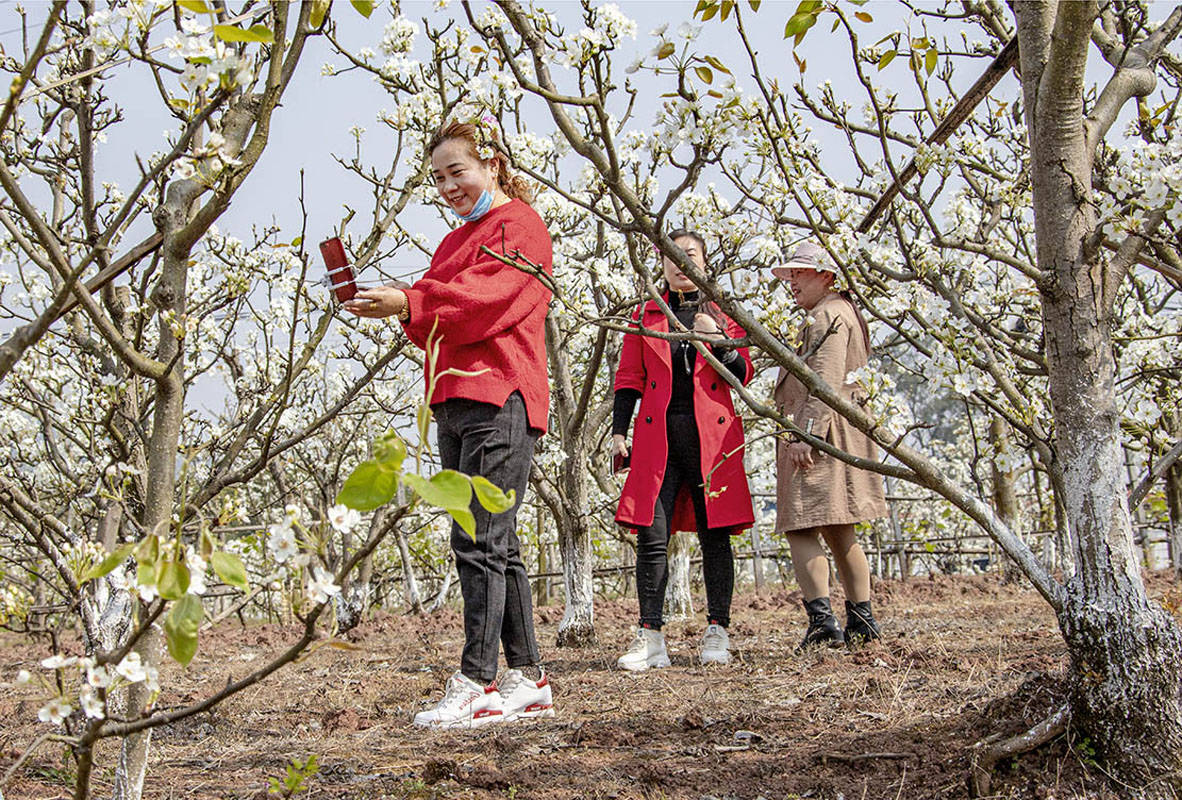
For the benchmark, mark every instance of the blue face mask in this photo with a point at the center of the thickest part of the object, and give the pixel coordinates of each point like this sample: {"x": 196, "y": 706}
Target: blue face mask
{"x": 483, "y": 204}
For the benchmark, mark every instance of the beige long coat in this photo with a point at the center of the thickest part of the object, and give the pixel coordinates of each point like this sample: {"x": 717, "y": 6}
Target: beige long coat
{"x": 830, "y": 492}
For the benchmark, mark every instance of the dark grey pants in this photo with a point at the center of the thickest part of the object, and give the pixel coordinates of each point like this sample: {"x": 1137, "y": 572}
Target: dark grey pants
{"x": 496, "y": 443}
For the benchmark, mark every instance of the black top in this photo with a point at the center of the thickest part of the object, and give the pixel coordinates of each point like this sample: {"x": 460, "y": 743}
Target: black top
{"x": 684, "y": 306}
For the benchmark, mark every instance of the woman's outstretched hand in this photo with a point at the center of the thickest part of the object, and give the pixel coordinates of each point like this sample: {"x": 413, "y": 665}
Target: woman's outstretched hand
{"x": 377, "y": 302}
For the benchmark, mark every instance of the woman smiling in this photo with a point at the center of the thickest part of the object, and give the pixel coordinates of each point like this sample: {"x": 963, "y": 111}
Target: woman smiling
{"x": 489, "y": 320}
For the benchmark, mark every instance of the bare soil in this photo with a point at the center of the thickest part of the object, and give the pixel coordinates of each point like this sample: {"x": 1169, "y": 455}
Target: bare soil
{"x": 963, "y": 658}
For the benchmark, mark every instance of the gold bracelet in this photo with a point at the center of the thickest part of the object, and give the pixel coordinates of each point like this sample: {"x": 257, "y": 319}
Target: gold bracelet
{"x": 404, "y": 314}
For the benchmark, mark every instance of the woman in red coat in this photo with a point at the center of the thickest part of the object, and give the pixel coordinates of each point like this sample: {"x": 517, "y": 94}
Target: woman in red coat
{"x": 488, "y": 318}
{"x": 686, "y": 456}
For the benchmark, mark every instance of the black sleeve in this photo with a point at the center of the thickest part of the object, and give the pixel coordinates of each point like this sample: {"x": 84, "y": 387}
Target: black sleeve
{"x": 731, "y": 359}
{"x": 622, "y": 408}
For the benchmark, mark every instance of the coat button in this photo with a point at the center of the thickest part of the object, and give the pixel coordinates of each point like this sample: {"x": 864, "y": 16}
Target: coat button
{"x": 653, "y": 384}
{"x": 650, "y": 419}
{"x": 714, "y": 387}
{"x": 721, "y": 420}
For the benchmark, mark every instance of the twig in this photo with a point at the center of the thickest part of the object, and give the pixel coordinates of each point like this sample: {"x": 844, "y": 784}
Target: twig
{"x": 987, "y": 754}
{"x": 1167, "y": 461}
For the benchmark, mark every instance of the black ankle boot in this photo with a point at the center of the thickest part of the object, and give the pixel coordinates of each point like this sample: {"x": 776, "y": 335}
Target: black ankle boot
{"x": 860, "y": 625}
{"x": 823, "y": 627}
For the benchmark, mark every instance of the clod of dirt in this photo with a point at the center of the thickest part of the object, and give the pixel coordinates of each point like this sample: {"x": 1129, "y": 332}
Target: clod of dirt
{"x": 437, "y": 770}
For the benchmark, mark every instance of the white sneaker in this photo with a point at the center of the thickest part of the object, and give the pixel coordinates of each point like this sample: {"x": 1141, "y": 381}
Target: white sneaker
{"x": 715, "y": 645}
{"x": 647, "y": 650}
{"x": 523, "y": 698}
{"x": 465, "y": 704}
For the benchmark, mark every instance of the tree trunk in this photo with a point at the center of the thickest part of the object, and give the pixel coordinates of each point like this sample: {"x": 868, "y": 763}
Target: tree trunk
{"x": 679, "y": 603}
{"x": 577, "y": 628}
{"x": 1124, "y": 650}
{"x": 1174, "y": 504}
{"x": 1005, "y": 495}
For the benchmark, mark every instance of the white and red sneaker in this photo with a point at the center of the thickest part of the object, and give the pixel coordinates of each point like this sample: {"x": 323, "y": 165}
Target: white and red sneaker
{"x": 523, "y": 698}
{"x": 465, "y": 704}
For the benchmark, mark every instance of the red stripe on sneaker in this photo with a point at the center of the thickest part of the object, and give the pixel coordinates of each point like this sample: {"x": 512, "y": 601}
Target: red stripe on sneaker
{"x": 488, "y": 712}
{"x": 545, "y": 681}
{"x": 492, "y": 687}
{"x": 537, "y": 707}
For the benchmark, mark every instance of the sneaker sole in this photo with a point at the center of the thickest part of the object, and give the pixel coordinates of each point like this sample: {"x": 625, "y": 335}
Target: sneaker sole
{"x": 547, "y": 711}
{"x": 659, "y": 663}
{"x": 723, "y": 659}
{"x": 472, "y": 722}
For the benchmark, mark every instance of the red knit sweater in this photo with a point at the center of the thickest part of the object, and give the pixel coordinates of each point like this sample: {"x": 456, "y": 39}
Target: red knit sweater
{"x": 488, "y": 315}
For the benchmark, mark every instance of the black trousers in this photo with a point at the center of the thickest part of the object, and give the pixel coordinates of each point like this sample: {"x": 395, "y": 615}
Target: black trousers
{"x": 683, "y": 471}
{"x": 496, "y": 443}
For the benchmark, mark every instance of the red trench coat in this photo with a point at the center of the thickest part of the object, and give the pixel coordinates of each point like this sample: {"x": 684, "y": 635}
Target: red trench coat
{"x": 646, "y": 365}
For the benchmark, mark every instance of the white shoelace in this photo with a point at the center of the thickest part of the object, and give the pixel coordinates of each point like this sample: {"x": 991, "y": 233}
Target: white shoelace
{"x": 639, "y": 644}
{"x": 454, "y": 693}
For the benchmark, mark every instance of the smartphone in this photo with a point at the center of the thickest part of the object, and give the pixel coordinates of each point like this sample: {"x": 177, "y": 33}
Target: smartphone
{"x": 340, "y": 274}
{"x": 621, "y": 462}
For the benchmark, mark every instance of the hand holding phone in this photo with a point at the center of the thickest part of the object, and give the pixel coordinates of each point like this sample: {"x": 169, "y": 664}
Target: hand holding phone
{"x": 340, "y": 274}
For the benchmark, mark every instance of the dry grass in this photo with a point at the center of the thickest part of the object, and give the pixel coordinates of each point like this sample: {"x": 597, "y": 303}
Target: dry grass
{"x": 963, "y": 658}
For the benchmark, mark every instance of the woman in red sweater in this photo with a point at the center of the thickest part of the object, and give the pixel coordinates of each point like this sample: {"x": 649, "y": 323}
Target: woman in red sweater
{"x": 488, "y": 318}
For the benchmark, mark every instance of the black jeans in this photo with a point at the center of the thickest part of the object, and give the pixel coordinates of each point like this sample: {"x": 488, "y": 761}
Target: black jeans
{"x": 683, "y": 469}
{"x": 496, "y": 443}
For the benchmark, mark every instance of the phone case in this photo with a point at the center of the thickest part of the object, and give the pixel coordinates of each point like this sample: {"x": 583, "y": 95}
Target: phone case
{"x": 339, "y": 271}
{"x": 621, "y": 463}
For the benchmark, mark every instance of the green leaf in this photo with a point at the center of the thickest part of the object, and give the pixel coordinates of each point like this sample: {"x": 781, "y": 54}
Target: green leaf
{"x": 231, "y": 33}
{"x": 718, "y": 65}
{"x": 172, "y": 580}
{"x": 196, "y": 6}
{"x": 109, "y": 563}
{"x": 206, "y": 542}
{"x": 715, "y": 94}
{"x": 862, "y": 16}
{"x": 364, "y": 7}
{"x": 148, "y": 551}
{"x": 705, "y": 74}
{"x": 466, "y": 520}
{"x": 836, "y": 25}
{"x": 390, "y": 451}
{"x": 318, "y": 13}
{"x": 709, "y": 12}
{"x": 296, "y": 242}
{"x": 230, "y": 569}
{"x": 808, "y": 6}
{"x": 702, "y": 6}
{"x": 145, "y": 574}
{"x": 447, "y": 489}
{"x": 886, "y": 58}
{"x": 369, "y": 486}
{"x": 180, "y": 628}
{"x": 490, "y": 495}
{"x": 932, "y": 60}
{"x": 667, "y": 49}
{"x": 727, "y": 6}
{"x": 920, "y": 44}
{"x": 798, "y": 24}
{"x": 754, "y": 4}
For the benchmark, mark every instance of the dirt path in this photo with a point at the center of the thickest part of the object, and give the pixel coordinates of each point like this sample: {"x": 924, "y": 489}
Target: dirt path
{"x": 964, "y": 657}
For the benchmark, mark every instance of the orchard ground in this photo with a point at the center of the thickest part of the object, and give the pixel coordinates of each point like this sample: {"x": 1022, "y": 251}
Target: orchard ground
{"x": 964, "y": 658}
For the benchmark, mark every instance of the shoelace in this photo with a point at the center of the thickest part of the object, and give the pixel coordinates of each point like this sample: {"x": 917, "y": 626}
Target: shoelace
{"x": 639, "y": 643}
{"x": 713, "y": 640}
{"x": 453, "y": 694}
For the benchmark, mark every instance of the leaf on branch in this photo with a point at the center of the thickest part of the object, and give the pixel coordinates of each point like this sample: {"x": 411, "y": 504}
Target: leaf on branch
{"x": 369, "y": 486}
{"x": 754, "y": 4}
{"x": 862, "y": 16}
{"x": 709, "y": 12}
{"x": 109, "y": 563}
{"x": 196, "y": 6}
{"x": 180, "y": 628}
{"x": 801, "y": 64}
{"x": 390, "y": 451}
{"x": 932, "y": 60}
{"x": 667, "y": 49}
{"x": 230, "y": 569}
{"x": 886, "y": 58}
{"x": 702, "y": 6}
{"x": 491, "y": 496}
{"x": 148, "y": 551}
{"x": 446, "y": 489}
{"x": 318, "y": 13}
{"x": 727, "y": 6}
{"x": 466, "y": 519}
{"x": 364, "y": 7}
{"x": 718, "y": 65}
{"x": 705, "y": 74}
{"x": 717, "y": 95}
{"x": 172, "y": 580}
{"x": 256, "y": 33}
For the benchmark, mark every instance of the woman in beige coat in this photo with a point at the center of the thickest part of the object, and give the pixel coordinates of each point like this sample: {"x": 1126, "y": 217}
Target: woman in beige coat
{"x": 819, "y": 496}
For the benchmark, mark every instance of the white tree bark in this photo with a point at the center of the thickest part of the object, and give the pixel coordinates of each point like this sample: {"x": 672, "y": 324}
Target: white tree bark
{"x": 679, "y": 601}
